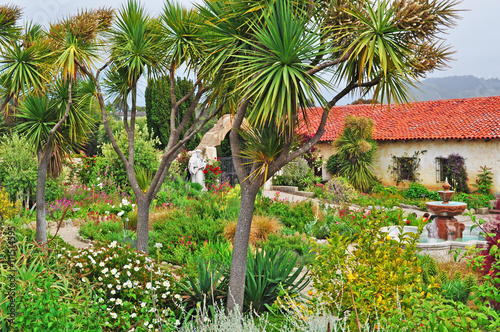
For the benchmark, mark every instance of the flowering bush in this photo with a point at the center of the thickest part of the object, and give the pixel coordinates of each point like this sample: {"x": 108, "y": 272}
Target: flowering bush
{"x": 134, "y": 291}
{"x": 475, "y": 201}
{"x": 212, "y": 173}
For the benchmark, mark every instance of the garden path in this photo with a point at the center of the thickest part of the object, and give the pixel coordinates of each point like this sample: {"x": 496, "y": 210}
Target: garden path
{"x": 69, "y": 234}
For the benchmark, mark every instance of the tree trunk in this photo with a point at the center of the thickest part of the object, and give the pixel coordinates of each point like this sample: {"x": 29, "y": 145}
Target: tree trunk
{"x": 143, "y": 224}
{"x": 41, "y": 222}
{"x": 240, "y": 249}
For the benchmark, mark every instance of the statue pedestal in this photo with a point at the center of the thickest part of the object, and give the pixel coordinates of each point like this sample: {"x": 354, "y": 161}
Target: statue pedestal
{"x": 449, "y": 229}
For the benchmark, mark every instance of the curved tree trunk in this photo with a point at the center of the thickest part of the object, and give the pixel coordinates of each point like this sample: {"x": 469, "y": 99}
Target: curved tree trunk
{"x": 240, "y": 249}
{"x": 41, "y": 222}
{"x": 143, "y": 224}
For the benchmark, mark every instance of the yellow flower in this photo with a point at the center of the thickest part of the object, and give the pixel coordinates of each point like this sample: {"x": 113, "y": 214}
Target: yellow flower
{"x": 388, "y": 237}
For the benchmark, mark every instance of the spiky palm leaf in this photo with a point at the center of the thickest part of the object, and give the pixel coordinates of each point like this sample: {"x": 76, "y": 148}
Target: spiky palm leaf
{"x": 276, "y": 68}
{"x": 136, "y": 42}
{"x": 9, "y": 14}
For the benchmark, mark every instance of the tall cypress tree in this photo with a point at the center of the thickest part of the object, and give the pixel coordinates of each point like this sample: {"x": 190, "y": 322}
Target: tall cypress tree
{"x": 159, "y": 105}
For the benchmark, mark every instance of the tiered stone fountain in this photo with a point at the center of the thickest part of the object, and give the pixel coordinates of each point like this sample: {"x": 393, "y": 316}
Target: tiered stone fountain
{"x": 445, "y": 226}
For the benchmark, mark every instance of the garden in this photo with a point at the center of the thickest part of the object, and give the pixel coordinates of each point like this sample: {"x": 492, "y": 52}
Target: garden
{"x": 167, "y": 254}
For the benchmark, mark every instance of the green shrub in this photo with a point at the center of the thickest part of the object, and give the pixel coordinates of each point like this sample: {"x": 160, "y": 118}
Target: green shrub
{"x": 340, "y": 191}
{"x": 333, "y": 164}
{"x": 356, "y": 152}
{"x": 294, "y": 173}
{"x": 373, "y": 269}
{"x": 475, "y": 201}
{"x": 484, "y": 180}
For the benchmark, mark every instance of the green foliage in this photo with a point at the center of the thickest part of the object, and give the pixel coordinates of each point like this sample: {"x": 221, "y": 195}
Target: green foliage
{"x": 340, "y": 191}
{"x": 126, "y": 281}
{"x": 455, "y": 290}
{"x": 417, "y": 190}
{"x": 294, "y": 173}
{"x": 159, "y": 107}
{"x": 475, "y": 201}
{"x": 484, "y": 180}
{"x": 356, "y": 152}
{"x": 18, "y": 169}
{"x": 268, "y": 273}
{"x": 296, "y": 243}
{"x": 294, "y": 216}
{"x": 333, "y": 164}
{"x": 373, "y": 269}
{"x": 8, "y": 209}
{"x": 146, "y": 156}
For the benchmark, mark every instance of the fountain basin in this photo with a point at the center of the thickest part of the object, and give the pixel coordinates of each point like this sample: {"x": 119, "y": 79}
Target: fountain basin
{"x": 439, "y": 248}
{"x": 446, "y": 209}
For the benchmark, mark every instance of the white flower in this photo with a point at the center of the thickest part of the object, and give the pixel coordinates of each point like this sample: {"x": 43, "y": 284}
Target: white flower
{"x": 128, "y": 273}
{"x": 119, "y": 214}
{"x": 112, "y": 299}
{"x": 101, "y": 264}
{"x": 136, "y": 268}
{"x": 164, "y": 295}
{"x": 107, "y": 212}
{"x": 119, "y": 302}
{"x": 113, "y": 315}
{"x": 133, "y": 315}
{"x": 100, "y": 279}
{"x": 113, "y": 292}
{"x": 158, "y": 245}
{"x": 150, "y": 326}
{"x": 143, "y": 304}
{"x": 118, "y": 287}
{"x": 128, "y": 284}
{"x": 166, "y": 284}
{"x": 113, "y": 244}
{"x": 177, "y": 296}
{"x": 177, "y": 323}
{"x": 104, "y": 271}
{"x": 101, "y": 300}
{"x": 148, "y": 285}
{"x": 100, "y": 185}
{"x": 125, "y": 201}
{"x": 84, "y": 280}
{"x": 98, "y": 179}
{"x": 110, "y": 286}
{"x": 146, "y": 323}
{"x": 114, "y": 271}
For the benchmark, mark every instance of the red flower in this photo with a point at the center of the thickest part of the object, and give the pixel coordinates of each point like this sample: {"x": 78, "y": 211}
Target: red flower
{"x": 205, "y": 171}
{"x": 217, "y": 168}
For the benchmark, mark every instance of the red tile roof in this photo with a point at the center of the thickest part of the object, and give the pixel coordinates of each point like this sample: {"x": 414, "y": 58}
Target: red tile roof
{"x": 468, "y": 118}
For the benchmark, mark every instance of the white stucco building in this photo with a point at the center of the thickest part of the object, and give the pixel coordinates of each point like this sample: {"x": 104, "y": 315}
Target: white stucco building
{"x": 469, "y": 127}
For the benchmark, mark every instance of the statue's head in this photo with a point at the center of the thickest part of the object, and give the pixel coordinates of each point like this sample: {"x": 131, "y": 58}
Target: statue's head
{"x": 198, "y": 152}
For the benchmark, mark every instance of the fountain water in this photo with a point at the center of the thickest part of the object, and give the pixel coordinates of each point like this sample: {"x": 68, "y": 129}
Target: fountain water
{"x": 445, "y": 226}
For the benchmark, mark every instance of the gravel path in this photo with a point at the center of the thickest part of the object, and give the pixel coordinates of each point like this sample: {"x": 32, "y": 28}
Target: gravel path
{"x": 70, "y": 235}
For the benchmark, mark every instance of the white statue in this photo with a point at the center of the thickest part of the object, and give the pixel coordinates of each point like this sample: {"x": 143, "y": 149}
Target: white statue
{"x": 196, "y": 167}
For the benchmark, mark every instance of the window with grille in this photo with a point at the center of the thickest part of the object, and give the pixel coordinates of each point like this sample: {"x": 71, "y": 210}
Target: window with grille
{"x": 440, "y": 169}
{"x": 406, "y": 168}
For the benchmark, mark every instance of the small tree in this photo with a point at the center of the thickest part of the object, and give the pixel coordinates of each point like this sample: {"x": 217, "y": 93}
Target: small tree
{"x": 159, "y": 105}
{"x": 355, "y": 151}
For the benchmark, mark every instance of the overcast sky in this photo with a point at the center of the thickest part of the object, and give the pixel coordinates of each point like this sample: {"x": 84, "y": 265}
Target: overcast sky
{"x": 476, "y": 38}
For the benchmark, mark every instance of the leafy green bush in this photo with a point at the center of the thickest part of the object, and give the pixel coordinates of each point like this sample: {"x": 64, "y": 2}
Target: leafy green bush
{"x": 291, "y": 215}
{"x": 18, "y": 169}
{"x": 475, "y": 201}
{"x": 340, "y": 191}
{"x": 484, "y": 180}
{"x": 333, "y": 164}
{"x": 146, "y": 156}
{"x": 294, "y": 173}
{"x": 356, "y": 152}
{"x": 297, "y": 243}
{"x": 373, "y": 270}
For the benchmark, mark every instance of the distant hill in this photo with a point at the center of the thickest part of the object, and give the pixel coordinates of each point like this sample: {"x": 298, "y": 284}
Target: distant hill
{"x": 457, "y": 87}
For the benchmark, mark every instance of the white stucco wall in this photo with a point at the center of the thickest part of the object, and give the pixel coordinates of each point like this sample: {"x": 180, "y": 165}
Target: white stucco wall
{"x": 475, "y": 152}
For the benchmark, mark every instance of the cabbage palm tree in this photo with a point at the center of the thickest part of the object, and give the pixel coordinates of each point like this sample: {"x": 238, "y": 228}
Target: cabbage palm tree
{"x": 141, "y": 45}
{"x": 56, "y": 121}
{"x": 271, "y": 53}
